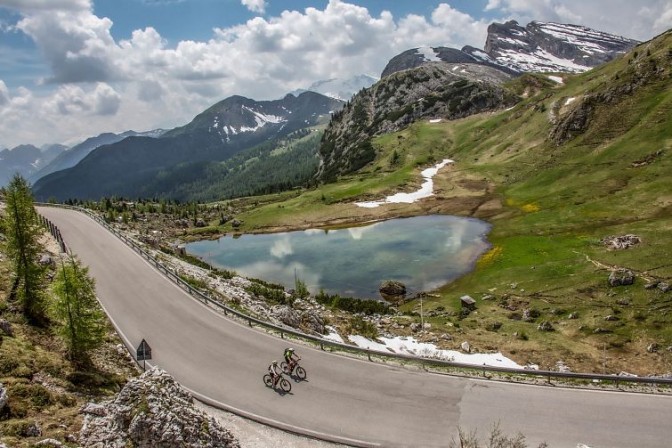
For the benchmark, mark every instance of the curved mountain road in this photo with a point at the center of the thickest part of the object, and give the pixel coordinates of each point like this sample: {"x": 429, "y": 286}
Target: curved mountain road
{"x": 347, "y": 400}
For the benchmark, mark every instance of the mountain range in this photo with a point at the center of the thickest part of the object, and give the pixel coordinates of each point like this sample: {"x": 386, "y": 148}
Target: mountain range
{"x": 26, "y": 160}
{"x": 233, "y": 136}
{"x": 163, "y": 166}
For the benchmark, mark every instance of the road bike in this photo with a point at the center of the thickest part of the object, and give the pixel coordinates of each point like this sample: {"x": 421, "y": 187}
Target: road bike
{"x": 285, "y": 385}
{"x": 296, "y": 369}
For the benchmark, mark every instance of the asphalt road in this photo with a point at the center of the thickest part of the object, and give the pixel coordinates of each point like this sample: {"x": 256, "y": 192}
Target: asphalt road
{"x": 347, "y": 400}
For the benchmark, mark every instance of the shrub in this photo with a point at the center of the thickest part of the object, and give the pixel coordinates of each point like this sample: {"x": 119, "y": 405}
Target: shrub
{"x": 351, "y": 304}
{"x": 362, "y": 327}
{"x": 272, "y": 293}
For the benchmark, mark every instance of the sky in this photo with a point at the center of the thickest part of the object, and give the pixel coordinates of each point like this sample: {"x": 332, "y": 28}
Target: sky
{"x": 72, "y": 69}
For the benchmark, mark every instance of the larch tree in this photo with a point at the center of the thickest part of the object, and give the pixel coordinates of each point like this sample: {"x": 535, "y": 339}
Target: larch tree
{"x": 81, "y": 322}
{"x": 23, "y": 230}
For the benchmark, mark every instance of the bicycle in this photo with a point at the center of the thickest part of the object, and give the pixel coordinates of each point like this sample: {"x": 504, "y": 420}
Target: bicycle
{"x": 285, "y": 385}
{"x": 294, "y": 368}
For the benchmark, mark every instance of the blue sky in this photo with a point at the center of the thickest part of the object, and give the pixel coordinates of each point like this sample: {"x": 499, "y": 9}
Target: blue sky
{"x": 71, "y": 69}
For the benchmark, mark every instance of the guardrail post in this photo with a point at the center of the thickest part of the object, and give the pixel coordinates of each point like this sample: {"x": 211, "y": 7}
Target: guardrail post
{"x": 321, "y": 345}
{"x": 369, "y": 356}
{"x": 282, "y": 334}
{"x": 249, "y": 322}
{"x": 549, "y": 378}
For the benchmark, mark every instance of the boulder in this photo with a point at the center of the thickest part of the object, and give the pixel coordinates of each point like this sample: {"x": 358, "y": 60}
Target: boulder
{"x": 468, "y": 303}
{"x": 653, "y": 347}
{"x": 621, "y": 242}
{"x": 32, "y": 430}
{"x": 664, "y": 287}
{"x": 573, "y": 315}
{"x": 4, "y": 398}
{"x": 313, "y": 322}
{"x": 287, "y": 315}
{"x": 392, "y": 289}
{"x": 652, "y": 284}
{"x": 465, "y": 347}
{"x": 49, "y": 443}
{"x": 153, "y": 411}
{"x": 545, "y": 326}
{"x": 6, "y": 327}
{"x": 621, "y": 277}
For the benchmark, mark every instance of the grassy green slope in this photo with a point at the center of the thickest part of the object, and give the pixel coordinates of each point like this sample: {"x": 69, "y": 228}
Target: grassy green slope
{"x": 561, "y": 201}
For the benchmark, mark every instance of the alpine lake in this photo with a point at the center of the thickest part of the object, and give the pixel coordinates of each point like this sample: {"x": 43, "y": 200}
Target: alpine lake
{"x": 423, "y": 252}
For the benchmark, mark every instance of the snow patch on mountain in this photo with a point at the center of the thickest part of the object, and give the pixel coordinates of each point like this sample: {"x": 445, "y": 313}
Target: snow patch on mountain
{"x": 429, "y": 54}
{"x": 261, "y": 120}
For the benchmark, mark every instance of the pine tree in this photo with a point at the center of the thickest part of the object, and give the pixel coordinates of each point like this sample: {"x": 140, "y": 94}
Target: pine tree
{"x": 75, "y": 308}
{"x": 23, "y": 231}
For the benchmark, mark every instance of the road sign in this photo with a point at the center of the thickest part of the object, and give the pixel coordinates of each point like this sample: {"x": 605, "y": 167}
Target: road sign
{"x": 144, "y": 351}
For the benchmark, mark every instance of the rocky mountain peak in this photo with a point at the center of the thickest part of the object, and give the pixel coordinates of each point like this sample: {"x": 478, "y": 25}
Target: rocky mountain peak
{"x": 514, "y": 49}
{"x": 548, "y": 46}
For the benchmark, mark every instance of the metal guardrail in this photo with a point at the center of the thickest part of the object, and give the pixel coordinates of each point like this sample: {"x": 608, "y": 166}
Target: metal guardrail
{"x": 484, "y": 369}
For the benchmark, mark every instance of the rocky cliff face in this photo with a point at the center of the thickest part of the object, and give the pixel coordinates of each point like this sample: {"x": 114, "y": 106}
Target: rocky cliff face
{"x": 537, "y": 47}
{"x": 552, "y": 47}
{"x": 152, "y": 411}
{"x": 439, "y": 89}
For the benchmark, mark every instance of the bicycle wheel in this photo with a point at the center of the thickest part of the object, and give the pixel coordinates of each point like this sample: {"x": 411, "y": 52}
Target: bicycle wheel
{"x": 300, "y": 372}
{"x": 285, "y": 386}
{"x": 284, "y": 367}
{"x": 268, "y": 381}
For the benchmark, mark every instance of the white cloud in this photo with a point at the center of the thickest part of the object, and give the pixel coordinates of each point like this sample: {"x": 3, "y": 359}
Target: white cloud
{"x": 255, "y": 5}
{"x": 99, "y": 84}
{"x": 72, "y": 99}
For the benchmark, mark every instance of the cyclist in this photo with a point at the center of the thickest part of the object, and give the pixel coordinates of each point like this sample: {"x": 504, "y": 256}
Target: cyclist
{"x": 274, "y": 370}
{"x": 291, "y": 358}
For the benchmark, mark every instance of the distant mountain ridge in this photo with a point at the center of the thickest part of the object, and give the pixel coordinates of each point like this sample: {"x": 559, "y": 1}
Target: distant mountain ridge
{"x": 70, "y": 157}
{"x": 26, "y": 160}
{"x": 153, "y": 167}
{"x": 537, "y": 47}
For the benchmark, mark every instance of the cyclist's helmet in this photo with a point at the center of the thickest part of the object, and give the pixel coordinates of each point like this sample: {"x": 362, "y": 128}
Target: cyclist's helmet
{"x": 275, "y": 363}
{"x": 291, "y": 350}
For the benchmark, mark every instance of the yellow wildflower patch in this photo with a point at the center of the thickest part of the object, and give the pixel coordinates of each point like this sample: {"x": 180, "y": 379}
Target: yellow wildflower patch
{"x": 530, "y": 208}
{"x": 490, "y": 256}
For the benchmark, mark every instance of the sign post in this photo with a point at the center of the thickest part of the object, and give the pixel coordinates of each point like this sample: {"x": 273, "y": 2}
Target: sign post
{"x": 143, "y": 352}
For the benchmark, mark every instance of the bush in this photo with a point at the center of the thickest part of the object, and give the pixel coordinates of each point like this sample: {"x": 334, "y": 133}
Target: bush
{"x": 271, "y": 293}
{"x": 35, "y": 394}
{"x": 351, "y": 304}
{"x": 362, "y": 327}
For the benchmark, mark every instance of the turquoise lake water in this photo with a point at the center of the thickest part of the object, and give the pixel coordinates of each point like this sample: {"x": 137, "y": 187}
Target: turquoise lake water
{"x": 424, "y": 253}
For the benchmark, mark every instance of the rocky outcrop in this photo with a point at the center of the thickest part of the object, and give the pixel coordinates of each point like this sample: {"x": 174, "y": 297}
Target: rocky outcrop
{"x": 621, "y": 277}
{"x": 152, "y": 411}
{"x": 621, "y": 242}
{"x": 435, "y": 90}
{"x": 643, "y": 69}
